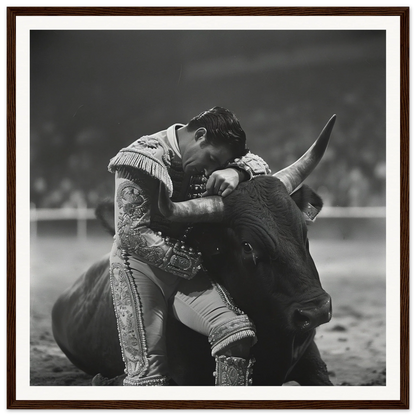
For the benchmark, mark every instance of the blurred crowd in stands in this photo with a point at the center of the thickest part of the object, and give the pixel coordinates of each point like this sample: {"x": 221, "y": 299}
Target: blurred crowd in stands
{"x": 95, "y": 92}
{"x": 352, "y": 172}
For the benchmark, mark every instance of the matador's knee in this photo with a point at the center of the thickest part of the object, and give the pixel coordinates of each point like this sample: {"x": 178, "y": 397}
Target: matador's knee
{"x": 230, "y": 344}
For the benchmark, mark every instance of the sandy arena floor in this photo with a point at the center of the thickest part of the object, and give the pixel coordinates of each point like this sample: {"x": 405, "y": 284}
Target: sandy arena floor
{"x": 353, "y": 344}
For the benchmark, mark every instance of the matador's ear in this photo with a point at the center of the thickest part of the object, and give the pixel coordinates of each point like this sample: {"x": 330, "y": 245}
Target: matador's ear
{"x": 201, "y": 133}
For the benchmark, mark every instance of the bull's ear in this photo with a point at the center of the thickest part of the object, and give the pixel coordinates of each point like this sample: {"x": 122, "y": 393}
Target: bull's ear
{"x": 308, "y": 201}
{"x": 104, "y": 212}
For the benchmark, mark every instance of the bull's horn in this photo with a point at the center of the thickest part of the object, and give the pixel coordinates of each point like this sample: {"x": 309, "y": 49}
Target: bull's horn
{"x": 207, "y": 209}
{"x": 297, "y": 172}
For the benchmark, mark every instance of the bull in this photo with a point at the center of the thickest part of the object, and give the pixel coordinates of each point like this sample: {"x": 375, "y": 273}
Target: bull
{"x": 254, "y": 244}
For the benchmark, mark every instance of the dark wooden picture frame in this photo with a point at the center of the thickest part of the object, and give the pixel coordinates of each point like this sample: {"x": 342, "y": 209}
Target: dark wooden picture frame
{"x": 13, "y": 403}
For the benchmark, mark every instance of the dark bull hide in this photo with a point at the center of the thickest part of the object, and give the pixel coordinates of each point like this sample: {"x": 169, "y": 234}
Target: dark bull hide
{"x": 260, "y": 253}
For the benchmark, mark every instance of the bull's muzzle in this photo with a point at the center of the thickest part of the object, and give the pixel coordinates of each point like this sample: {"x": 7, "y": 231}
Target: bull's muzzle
{"x": 313, "y": 313}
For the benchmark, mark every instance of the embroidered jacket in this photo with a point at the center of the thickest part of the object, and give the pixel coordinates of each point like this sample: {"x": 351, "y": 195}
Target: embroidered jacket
{"x": 140, "y": 230}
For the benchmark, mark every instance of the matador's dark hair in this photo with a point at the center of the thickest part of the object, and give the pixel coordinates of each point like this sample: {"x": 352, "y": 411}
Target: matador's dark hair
{"x": 223, "y": 128}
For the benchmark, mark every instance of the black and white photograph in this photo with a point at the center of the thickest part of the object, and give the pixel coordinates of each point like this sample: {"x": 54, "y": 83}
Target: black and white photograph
{"x": 96, "y": 92}
{"x": 208, "y": 208}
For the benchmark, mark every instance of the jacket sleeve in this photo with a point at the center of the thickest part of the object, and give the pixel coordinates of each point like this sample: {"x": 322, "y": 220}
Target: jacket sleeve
{"x": 251, "y": 164}
{"x": 134, "y": 236}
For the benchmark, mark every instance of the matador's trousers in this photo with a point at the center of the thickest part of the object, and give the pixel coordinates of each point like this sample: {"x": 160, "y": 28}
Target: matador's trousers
{"x": 141, "y": 294}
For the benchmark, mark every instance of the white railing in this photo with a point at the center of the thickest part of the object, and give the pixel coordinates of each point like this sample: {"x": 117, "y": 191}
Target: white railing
{"x": 353, "y": 212}
{"x": 82, "y": 214}
{"x": 51, "y": 214}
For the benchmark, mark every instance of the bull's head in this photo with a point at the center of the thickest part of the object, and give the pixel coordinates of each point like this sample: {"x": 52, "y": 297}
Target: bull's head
{"x": 210, "y": 209}
{"x": 260, "y": 250}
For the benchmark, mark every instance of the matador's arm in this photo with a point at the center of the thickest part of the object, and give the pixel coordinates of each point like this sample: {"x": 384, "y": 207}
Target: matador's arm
{"x": 133, "y": 235}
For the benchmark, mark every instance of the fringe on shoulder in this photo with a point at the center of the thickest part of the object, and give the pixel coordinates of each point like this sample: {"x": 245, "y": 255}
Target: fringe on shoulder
{"x": 143, "y": 162}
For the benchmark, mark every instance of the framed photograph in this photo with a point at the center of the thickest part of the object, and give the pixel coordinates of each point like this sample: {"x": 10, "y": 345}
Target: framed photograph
{"x": 84, "y": 83}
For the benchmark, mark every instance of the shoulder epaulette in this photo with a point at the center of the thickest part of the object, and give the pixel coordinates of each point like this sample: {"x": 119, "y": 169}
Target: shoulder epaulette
{"x": 147, "y": 154}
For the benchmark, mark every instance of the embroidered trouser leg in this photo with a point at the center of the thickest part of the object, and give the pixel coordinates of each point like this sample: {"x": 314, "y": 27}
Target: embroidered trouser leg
{"x": 140, "y": 294}
{"x": 140, "y": 301}
{"x": 206, "y": 308}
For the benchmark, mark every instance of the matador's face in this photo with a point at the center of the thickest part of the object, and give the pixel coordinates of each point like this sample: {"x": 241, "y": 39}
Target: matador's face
{"x": 203, "y": 157}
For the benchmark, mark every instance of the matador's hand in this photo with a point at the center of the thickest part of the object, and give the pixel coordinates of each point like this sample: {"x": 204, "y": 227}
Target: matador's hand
{"x": 223, "y": 182}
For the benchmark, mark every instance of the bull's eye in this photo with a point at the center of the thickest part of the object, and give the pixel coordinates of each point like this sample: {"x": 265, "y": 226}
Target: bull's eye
{"x": 247, "y": 247}
{"x": 249, "y": 254}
